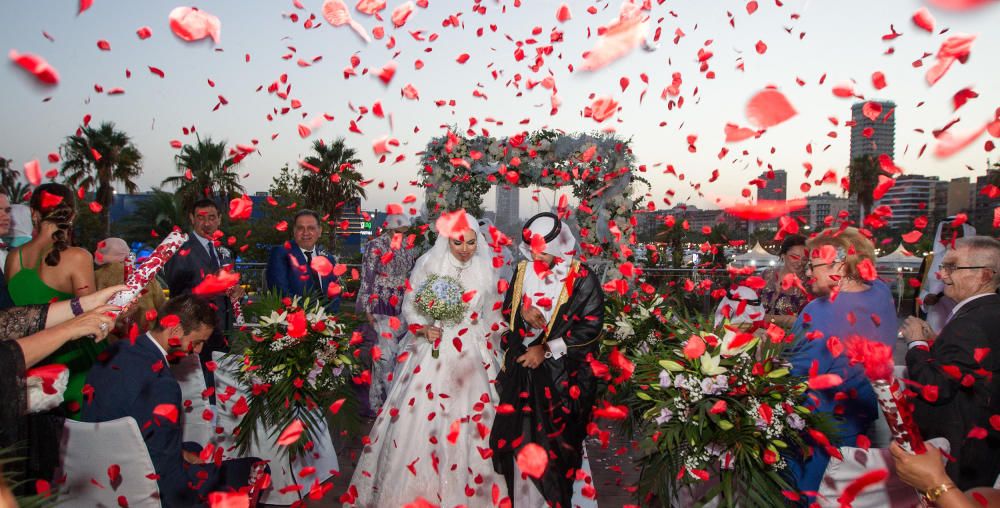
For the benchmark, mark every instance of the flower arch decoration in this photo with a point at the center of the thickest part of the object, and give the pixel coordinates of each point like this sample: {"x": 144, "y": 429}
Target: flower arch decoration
{"x": 458, "y": 171}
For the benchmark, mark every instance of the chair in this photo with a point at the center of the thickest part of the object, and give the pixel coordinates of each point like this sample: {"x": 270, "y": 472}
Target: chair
{"x": 88, "y": 451}
{"x": 857, "y": 461}
{"x": 189, "y": 376}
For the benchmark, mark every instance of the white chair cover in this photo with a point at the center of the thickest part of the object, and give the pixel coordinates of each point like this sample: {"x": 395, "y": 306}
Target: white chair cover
{"x": 284, "y": 473}
{"x": 88, "y": 450}
{"x": 188, "y": 373}
{"x": 858, "y": 461}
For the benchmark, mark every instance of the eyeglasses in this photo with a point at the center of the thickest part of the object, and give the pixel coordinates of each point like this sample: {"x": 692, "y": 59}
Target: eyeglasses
{"x": 813, "y": 266}
{"x": 947, "y": 268}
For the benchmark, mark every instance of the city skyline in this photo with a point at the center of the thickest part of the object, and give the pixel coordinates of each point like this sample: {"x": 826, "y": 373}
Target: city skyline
{"x": 217, "y": 91}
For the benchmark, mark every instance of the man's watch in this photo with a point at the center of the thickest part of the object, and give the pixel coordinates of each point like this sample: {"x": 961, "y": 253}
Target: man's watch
{"x": 548, "y": 352}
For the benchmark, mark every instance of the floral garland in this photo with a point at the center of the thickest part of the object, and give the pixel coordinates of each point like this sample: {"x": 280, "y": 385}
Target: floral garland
{"x": 458, "y": 171}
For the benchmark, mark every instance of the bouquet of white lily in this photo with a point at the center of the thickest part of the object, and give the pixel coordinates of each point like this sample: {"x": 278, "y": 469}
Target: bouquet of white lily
{"x": 441, "y": 299}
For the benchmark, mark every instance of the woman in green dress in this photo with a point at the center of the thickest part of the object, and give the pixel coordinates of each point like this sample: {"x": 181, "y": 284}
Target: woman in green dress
{"x": 48, "y": 269}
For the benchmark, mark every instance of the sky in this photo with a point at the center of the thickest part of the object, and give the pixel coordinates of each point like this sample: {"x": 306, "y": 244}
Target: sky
{"x": 261, "y": 44}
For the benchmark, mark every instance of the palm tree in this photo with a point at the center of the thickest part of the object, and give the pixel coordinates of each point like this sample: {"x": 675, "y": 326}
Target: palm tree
{"x": 11, "y": 184}
{"x": 159, "y": 213}
{"x": 863, "y": 176}
{"x": 334, "y": 182}
{"x": 99, "y": 158}
{"x": 207, "y": 171}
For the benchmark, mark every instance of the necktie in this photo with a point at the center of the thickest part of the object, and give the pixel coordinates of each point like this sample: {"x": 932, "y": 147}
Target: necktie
{"x": 309, "y": 269}
{"x": 213, "y": 257}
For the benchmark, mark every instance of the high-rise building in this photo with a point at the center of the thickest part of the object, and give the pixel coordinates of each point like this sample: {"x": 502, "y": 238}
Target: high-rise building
{"x": 911, "y": 197}
{"x": 873, "y": 137}
{"x": 821, "y": 206}
{"x": 959, "y": 196}
{"x": 775, "y": 185}
{"x": 984, "y": 205}
{"x": 508, "y": 208}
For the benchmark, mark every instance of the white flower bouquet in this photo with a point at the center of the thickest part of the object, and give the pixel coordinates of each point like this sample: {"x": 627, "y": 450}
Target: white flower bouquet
{"x": 441, "y": 299}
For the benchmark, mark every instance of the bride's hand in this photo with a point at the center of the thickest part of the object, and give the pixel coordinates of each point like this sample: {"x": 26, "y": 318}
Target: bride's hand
{"x": 432, "y": 333}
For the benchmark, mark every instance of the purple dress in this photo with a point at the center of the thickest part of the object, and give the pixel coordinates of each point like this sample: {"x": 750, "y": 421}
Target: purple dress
{"x": 384, "y": 271}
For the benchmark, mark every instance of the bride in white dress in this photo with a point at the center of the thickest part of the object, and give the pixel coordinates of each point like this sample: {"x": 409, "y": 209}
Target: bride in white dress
{"x": 431, "y": 439}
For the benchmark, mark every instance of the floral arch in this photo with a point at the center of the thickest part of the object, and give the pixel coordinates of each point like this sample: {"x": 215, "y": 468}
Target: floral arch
{"x": 458, "y": 171}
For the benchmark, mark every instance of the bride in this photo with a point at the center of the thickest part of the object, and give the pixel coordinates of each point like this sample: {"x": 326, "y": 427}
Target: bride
{"x": 431, "y": 439}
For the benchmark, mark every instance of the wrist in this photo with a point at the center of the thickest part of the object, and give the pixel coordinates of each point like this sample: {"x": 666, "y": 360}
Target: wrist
{"x": 932, "y": 494}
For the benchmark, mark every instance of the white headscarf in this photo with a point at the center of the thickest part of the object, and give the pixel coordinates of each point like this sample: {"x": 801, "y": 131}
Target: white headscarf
{"x": 750, "y": 313}
{"x": 559, "y": 242}
{"x": 476, "y": 274}
{"x": 558, "y": 238}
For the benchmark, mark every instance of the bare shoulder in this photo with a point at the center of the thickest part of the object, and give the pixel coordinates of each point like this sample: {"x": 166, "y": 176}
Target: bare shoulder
{"x": 78, "y": 256}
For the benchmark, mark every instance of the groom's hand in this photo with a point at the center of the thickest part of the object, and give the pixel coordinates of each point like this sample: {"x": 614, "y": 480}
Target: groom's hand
{"x": 533, "y": 317}
{"x": 532, "y": 358}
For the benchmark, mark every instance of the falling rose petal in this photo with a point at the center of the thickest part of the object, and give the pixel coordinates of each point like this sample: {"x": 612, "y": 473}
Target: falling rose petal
{"x": 912, "y": 236}
{"x": 958, "y": 5}
{"x": 191, "y": 24}
{"x": 214, "y": 284}
{"x": 452, "y": 224}
{"x": 321, "y": 265}
{"x": 949, "y": 144}
{"x": 961, "y": 97}
{"x": 386, "y": 73}
{"x": 221, "y": 499}
{"x": 602, "y": 108}
{"x": 103, "y": 45}
{"x": 37, "y": 66}
{"x": 337, "y": 404}
{"x": 291, "y": 433}
{"x": 157, "y": 71}
{"x": 878, "y": 80}
{"x": 144, "y": 33}
{"x": 167, "y": 411}
{"x": 844, "y": 90}
{"x": 923, "y": 19}
{"x": 335, "y": 12}
{"x": 768, "y": 108}
{"x": 736, "y": 133}
{"x": 401, "y": 13}
{"x": 370, "y": 7}
{"x": 619, "y": 38}
{"x": 694, "y": 347}
{"x": 33, "y": 172}
{"x": 84, "y": 5}
{"x": 562, "y": 13}
{"x": 850, "y": 493}
{"x": 872, "y": 110}
{"x": 532, "y": 460}
{"x": 956, "y": 47}
{"x": 240, "y": 208}
{"x": 765, "y": 209}
{"x": 304, "y": 131}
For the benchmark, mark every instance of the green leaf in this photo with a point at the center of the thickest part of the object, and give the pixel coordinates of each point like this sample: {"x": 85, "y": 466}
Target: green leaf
{"x": 671, "y": 365}
{"x": 725, "y": 424}
{"x": 778, "y": 373}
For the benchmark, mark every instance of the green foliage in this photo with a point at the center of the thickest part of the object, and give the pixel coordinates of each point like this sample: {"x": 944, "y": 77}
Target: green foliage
{"x": 212, "y": 173}
{"x": 117, "y": 161}
{"x": 13, "y": 480}
{"x": 863, "y": 176}
{"x": 159, "y": 213}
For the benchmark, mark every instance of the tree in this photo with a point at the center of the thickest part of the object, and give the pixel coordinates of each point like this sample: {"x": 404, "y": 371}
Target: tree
{"x": 207, "y": 171}
{"x": 262, "y": 234}
{"x": 159, "y": 213}
{"x": 863, "y": 176}
{"x": 11, "y": 183}
{"x": 331, "y": 180}
{"x": 98, "y": 158}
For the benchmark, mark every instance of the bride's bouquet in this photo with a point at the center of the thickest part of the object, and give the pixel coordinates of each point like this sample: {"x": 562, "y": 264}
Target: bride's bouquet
{"x": 441, "y": 299}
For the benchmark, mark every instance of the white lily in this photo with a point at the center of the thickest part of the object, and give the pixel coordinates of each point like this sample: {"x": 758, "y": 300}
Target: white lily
{"x": 710, "y": 365}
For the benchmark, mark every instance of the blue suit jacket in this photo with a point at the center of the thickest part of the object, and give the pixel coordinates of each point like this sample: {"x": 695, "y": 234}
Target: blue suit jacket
{"x": 132, "y": 380}
{"x": 298, "y": 281}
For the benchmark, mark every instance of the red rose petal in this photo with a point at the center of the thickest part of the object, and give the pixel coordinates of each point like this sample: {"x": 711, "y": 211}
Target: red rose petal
{"x": 532, "y": 459}
{"x": 37, "y": 66}
{"x": 191, "y": 24}
{"x": 291, "y": 433}
{"x": 924, "y": 19}
{"x": 168, "y": 411}
{"x": 768, "y": 108}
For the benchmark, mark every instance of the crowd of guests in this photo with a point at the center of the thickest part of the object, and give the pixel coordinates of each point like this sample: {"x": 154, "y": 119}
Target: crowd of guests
{"x": 53, "y": 312}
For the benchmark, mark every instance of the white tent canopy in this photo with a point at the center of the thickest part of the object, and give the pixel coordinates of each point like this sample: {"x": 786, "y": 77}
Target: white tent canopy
{"x": 756, "y": 256}
{"x": 899, "y": 258}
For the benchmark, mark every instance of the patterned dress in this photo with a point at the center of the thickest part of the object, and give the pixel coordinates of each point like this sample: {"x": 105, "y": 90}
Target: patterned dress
{"x": 778, "y": 301}
{"x": 384, "y": 271}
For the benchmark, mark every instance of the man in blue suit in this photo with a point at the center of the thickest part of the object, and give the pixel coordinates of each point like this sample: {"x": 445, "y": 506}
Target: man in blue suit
{"x": 290, "y": 268}
{"x": 134, "y": 380}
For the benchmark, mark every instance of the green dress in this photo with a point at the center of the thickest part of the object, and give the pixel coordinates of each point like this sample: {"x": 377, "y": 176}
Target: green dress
{"x": 27, "y": 288}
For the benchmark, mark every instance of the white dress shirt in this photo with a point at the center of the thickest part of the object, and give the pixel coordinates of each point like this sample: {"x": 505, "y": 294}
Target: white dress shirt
{"x": 550, "y": 287}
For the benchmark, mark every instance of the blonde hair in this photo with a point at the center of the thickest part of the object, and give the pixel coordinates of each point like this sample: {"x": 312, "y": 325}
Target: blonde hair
{"x": 852, "y": 247}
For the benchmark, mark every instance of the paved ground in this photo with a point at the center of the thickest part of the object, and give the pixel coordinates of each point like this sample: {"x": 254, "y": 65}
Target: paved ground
{"x": 613, "y": 471}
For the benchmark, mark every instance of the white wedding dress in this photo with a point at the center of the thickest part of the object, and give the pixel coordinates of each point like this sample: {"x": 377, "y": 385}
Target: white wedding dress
{"x": 432, "y": 438}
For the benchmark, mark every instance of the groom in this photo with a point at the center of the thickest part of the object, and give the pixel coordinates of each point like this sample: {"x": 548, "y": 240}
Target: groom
{"x": 554, "y": 310}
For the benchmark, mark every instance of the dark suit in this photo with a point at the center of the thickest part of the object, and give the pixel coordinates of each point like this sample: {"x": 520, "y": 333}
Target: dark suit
{"x": 299, "y": 280}
{"x": 185, "y": 270}
{"x": 968, "y": 390}
{"x": 5, "y": 300}
{"x": 132, "y": 380}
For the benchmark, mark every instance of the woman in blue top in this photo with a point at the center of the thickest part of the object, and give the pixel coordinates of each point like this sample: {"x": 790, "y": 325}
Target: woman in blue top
{"x": 847, "y": 305}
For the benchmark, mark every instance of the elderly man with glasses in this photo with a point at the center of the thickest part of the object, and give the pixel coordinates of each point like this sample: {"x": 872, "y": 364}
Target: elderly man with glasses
{"x": 957, "y": 373}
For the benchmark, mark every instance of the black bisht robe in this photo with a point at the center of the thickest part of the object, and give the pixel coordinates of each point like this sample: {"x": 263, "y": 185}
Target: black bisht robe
{"x": 559, "y": 394}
